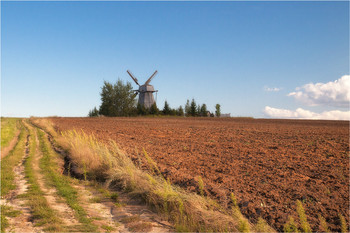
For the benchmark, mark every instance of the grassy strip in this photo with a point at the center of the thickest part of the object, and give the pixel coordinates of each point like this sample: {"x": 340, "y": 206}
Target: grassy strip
{"x": 9, "y": 127}
{"x": 41, "y": 211}
{"x": 62, "y": 183}
{"x": 9, "y": 162}
{"x": 7, "y": 174}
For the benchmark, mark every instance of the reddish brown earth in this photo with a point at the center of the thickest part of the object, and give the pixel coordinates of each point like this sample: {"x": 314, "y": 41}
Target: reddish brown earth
{"x": 267, "y": 164}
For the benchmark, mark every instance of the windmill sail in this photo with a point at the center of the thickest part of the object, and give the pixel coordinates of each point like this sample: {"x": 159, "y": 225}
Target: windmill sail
{"x": 133, "y": 78}
{"x": 150, "y": 78}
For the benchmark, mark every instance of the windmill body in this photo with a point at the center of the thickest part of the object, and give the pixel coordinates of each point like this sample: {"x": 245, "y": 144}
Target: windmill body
{"x": 145, "y": 91}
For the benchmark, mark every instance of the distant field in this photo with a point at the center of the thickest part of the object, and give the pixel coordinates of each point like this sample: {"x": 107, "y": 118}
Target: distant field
{"x": 267, "y": 164}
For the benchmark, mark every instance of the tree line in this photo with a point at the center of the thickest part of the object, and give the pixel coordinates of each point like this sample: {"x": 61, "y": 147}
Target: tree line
{"x": 119, "y": 99}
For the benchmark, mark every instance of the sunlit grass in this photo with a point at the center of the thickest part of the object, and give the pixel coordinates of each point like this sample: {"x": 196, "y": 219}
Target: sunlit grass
{"x": 9, "y": 127}
{"x": 61, "y": 182}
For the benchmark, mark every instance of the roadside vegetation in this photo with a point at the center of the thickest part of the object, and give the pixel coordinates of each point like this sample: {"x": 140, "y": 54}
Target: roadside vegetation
{"x": 43, "y": 214}
{"x": 7, "y": 174}
{"x": 62, "y": 184}
{"x": 9, "y": 127}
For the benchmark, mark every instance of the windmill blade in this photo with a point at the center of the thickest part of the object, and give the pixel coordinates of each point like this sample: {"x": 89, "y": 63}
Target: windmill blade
{"x": 133, "y": 78}
{"x": 150, "y": 78}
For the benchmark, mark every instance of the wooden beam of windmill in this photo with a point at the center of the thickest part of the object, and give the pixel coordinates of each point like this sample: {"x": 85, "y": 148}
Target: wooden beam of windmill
{"x": 150, "y": 78}
{"x": 133, "y": 78}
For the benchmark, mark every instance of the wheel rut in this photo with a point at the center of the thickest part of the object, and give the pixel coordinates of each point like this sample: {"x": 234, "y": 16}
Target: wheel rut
{"x": 64, "y": 211}
{"x": 23, "y": 221}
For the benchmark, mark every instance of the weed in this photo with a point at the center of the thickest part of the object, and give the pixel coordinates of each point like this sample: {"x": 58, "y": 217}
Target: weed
{"x": 243, "y": 225}
{"x": 305, "y": 226}
{"x": 201, "y": 186}
{"x": 95, "y": 200}
{"x": 344, "y": 227}
{"x": 233, "y": 199}
{"x": 7, "y": 211}
{"x": 129, "y": 219}
{"x": 262, "y": 226}
{"x": 290, "y": 226}
{"x": 115, "y": 197}
{"x": 323, "y": 224}
{"x": 140, "y": 226}
{"x": 107, "y": 228}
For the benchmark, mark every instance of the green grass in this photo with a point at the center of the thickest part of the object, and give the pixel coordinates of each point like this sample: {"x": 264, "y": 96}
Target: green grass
{"x": 9, "y": 127}
{"x": 61, "y": 182}
{"x": 7, "y": 211}
{"x": 9, "y": 162}
{"x": 42, "y": 214}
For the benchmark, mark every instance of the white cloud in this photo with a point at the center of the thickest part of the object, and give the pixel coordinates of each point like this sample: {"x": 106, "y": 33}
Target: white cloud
{"x": 275, "y": 89}
{"x": 306, "y": 114}
{"x": 335, "y": 93}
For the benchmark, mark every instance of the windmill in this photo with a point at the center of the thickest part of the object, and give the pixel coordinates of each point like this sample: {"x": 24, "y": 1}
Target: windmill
{"x": 146, "y": 98}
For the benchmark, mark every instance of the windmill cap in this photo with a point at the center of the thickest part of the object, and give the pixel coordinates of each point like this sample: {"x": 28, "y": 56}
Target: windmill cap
{"x": 146, "y": 88}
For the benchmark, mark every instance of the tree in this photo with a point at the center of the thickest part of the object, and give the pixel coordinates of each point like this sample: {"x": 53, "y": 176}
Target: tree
{"x": 166, "y": 109}
{"x": 193, "y": 108}
{"x": 187, "y": 108}
{"x": 217, "y": 111}
{"x": 180, "y": 111}
{"x": 141, "y": 110}
{"x": 117, "y": 99}
{"x": 154, "y": 109}
{"x": 203, "y": 111}
{"x": 93, "y": 112}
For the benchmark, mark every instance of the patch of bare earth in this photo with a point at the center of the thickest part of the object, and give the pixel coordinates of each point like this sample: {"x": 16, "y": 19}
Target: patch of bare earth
{"x": 127, "y": 215}
{"x": 22, "y": 222}
{"x": 6, "y": 150}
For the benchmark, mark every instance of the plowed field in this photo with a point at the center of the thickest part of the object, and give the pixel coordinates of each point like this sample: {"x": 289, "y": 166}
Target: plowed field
{"x": 267, "y": 164}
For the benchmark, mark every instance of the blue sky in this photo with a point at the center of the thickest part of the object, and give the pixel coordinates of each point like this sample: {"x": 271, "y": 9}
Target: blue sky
{"x": 244, "y": 55}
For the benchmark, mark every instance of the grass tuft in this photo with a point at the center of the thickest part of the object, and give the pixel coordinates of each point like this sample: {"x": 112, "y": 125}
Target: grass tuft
{"x": 290, "y": 226}
{"x": 323, "y": 224}
{"x": 305, "y": 226}
{"x": 344, "y": 226}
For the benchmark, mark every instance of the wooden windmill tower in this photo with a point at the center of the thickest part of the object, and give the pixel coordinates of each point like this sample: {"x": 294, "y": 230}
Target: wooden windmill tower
{"x": 145, "y": 91}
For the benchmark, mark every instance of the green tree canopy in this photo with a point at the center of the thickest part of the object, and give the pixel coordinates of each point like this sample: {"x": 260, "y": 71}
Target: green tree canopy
{"x": 203, "y": 110}
{"x": 166, "y": 109}
{"x": 117, "y": 99}
{"x": 193, "y": 108}
{"x": 218, "y": 110}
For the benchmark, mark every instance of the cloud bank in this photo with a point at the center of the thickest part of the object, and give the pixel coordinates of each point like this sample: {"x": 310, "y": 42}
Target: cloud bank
{"x": 335, "y": 93}
{"x": 306, "y": 114}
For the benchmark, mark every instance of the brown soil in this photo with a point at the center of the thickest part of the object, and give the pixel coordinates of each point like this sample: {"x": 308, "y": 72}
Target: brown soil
{"x": 267, "y": 164}
{"x": 11, "y": 145}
